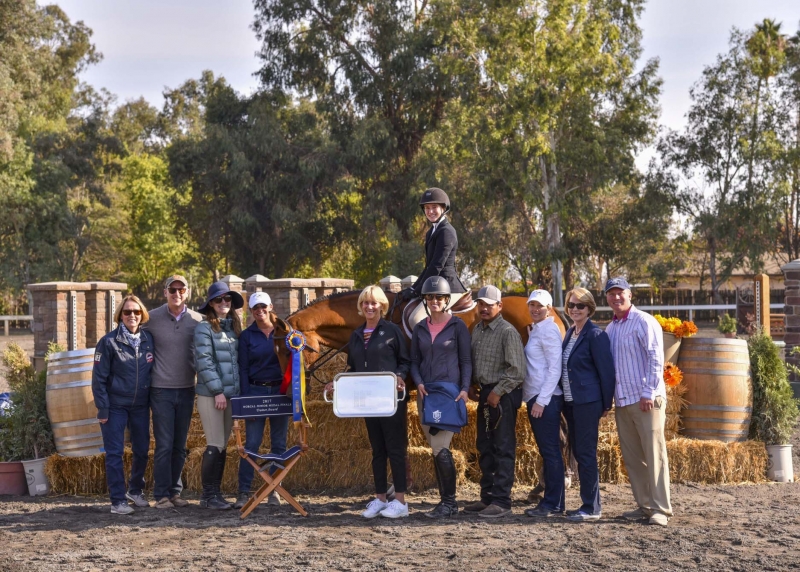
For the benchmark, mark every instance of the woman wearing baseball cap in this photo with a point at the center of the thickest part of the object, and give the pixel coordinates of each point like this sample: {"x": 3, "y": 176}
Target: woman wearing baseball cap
{"x": 216, "y": 359}
{"x": 545, "y": 399}
{"x": 260, "y": 374}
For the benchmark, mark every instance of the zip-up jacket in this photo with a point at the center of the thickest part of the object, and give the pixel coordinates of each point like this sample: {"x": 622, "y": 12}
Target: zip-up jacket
{"x": 216, "y": 360}
{"x": 386, "y": 350}
{"x": 121, "y": 374}
{"x": 447, "y": 358}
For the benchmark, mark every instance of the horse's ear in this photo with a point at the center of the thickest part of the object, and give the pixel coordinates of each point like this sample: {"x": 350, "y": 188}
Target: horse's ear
{"x": 281, "y": 326}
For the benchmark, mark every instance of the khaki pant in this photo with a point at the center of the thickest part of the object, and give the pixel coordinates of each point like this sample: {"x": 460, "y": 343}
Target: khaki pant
{"x": 419, "y": 312}
{"x": 216, "y": 424}
{"x": 644, "y": 450}
{"x": 439, "y": 441}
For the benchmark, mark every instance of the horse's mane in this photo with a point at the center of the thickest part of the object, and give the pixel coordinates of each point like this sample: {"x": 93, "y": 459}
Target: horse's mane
{"x": 323, "y": 299}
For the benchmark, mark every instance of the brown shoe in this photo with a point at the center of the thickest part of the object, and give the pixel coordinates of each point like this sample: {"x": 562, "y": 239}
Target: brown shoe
{"x": 476, "y": 507}
{"x": 494, "y": 511}
{"x": 164, "y": 503}
{"x": 178, "y": 501}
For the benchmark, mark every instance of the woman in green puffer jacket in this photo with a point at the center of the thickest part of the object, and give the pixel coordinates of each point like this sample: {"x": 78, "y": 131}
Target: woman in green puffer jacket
{"x": 216, "y": 362}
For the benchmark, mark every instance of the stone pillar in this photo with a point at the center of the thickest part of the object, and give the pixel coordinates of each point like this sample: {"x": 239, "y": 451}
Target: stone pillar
{"x": 102, "y": 301}
{"x": 408, "y": 281}
{"x": 290, "y": 294}
{"x": 391, "y": 284}
{"x": 791, "y": 311}
{"x": 59, "y": 315}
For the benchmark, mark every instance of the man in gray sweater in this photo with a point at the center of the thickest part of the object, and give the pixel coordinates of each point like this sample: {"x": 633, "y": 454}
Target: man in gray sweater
{"x": 172, "y": 388}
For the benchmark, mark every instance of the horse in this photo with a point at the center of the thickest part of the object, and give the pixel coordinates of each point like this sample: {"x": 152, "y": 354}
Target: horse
{"x": 329, "y": 321}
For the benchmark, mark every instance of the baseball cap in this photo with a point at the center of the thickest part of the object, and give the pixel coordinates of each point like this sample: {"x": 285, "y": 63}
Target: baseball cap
{"x": 259, "y": 298}
{"x": 541, "y": 296}
{"x": 176, "y": 278}
{"x": 618, "y": 282}
{"x": 490, "y": 294}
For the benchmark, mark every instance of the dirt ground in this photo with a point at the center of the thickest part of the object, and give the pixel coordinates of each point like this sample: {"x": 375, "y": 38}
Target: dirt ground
{"x": 744, "y": 528}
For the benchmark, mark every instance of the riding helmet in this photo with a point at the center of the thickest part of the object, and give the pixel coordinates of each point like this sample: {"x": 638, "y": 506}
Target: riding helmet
{"x": 436, "y": 285}
{"x": 435, "y": 195}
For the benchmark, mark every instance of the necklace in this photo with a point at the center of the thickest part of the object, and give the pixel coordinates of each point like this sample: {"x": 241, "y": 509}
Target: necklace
{"x": 577, "y": 331}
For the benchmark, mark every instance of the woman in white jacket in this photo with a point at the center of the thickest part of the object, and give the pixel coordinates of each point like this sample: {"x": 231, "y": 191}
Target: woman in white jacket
{"x": 545, "y": 400}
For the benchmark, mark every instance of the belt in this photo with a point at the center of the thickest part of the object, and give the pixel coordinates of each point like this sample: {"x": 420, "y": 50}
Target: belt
{"x": 262, "y": 383}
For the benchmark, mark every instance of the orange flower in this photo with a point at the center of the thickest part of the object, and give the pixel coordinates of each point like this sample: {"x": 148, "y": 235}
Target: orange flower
{"x": 672, "y": 374}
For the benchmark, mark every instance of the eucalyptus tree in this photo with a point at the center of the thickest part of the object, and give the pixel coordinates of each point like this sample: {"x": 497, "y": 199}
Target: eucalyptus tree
{"x": 561, "y": 107}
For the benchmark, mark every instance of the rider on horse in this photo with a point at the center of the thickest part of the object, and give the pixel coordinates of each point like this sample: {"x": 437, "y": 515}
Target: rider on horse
{"x": 441, "y": 244}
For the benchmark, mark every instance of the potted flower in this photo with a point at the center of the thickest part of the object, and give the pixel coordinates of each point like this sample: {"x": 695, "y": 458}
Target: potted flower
{"x": 775, "y": 410}
{"x": 674, "y": 329}
{"x": 26, "y": 435}
{"x": 727, "y": 325}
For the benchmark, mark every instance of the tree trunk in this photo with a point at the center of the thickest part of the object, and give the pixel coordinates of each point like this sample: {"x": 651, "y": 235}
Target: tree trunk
{"x": 547, "y": 165}
{"x": 712, "y": 270}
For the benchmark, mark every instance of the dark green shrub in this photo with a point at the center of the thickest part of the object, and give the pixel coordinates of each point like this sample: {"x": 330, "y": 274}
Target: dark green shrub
{"x": 775, "y": 410}
{"x": 25, "y": 431}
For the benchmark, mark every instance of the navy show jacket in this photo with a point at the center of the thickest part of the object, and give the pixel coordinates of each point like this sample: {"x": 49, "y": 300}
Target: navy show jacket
{"x": 121, "y": 374}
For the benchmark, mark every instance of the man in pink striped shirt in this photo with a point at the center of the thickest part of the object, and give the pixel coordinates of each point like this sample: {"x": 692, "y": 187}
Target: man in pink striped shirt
{"x": 641, "y": 401}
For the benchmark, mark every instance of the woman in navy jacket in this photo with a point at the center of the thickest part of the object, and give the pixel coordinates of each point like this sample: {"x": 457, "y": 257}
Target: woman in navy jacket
{"x": 121, "y": 387}
{"x": 587, "y": 379}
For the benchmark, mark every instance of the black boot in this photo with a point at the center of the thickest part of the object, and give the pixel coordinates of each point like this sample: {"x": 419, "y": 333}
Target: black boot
{"x": 446, "y": 475}
{"x": 220, "y": 471}
{"x": 208, "y": 472}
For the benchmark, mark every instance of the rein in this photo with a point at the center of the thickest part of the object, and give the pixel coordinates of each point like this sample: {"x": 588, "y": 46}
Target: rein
{"x": 325, "y": 358}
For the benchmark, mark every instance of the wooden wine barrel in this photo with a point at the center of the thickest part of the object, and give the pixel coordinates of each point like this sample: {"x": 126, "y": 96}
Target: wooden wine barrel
{"x": 70, "y": 403}
{"x": 716, "y": 372}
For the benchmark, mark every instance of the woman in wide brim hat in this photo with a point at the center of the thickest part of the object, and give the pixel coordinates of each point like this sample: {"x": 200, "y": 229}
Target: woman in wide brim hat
{"x": 216, "y": 361}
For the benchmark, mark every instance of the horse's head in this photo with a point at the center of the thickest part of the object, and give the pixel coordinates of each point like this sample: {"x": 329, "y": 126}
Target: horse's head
{"x": 282, "y": 329}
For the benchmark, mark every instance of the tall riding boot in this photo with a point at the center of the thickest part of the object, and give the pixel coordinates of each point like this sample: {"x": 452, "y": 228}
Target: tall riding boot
{"x": 218, "y": 474}
{"x": 446, "y": 474}
{"x": 208, "y": 473}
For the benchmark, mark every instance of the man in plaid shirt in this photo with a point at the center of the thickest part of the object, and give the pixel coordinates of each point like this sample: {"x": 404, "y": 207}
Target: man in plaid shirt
{"x": 498, "y": 370}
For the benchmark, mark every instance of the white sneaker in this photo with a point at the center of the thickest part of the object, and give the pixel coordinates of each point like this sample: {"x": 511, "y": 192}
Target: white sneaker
{"x": 396, "y": 509}
{"x": 374, "y": 508}
{"x": 121, "y": 508}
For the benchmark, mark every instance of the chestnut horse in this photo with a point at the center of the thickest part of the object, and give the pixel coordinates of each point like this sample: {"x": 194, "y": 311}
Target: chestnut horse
{"x": 330, "y": 321}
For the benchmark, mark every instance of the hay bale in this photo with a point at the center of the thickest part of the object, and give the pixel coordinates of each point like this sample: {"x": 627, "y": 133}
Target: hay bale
{"x": 715, "y": 462}
{"x": 87, "y": 475}
{"x": 527, "y": 466}
{"x": 331, "y": 433}
{"x": 325, "y": 374}
{"x": 609, "y": 459}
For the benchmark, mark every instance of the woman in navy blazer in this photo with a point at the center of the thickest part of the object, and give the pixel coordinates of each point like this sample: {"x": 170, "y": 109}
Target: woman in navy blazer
{"x": 587, "y": 379}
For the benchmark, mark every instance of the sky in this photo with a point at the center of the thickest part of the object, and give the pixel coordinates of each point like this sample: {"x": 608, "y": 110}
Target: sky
{"x": 149, "y": 45}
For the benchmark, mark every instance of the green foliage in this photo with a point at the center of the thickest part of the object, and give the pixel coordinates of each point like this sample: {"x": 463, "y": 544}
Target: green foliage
{"x": 25, "y": 431}
{"x": 727, "y": 324}
{"x": 775, "y": 410}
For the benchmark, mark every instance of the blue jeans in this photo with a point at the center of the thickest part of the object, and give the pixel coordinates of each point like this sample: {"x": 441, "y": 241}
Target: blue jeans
{"x": 254, "y": 434}
{"x": 138, "y": 419}
{"x": 547, "y": 431}
{"x": 584, "y": 425}
{"x": 172, "y": 414}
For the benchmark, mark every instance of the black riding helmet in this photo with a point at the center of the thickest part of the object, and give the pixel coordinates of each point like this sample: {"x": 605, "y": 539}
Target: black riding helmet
{"x": 435, "y": 285}
{"x": 435, "y": 195}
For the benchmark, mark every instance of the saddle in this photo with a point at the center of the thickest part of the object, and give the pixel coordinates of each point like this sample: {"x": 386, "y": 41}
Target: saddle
{"x": 463, "y": 304}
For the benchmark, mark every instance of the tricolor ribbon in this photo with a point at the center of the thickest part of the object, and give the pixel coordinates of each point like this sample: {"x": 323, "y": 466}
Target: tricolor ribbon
{"x": 296, "y": 342}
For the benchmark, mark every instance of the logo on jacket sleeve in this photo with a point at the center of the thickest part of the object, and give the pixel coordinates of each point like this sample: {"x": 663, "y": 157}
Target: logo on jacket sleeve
{"x": 149, "y": 357}
{"x": 97, "y": 357}
{"x": 437, "y": 416}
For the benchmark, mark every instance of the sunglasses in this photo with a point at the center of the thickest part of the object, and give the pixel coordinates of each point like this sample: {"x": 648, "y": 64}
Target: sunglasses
{"x": 437, "y": 297}
{"x": 129, "y": 312}
{"x": 579, "y": 306}
{"x": 178, "y": 290}
{"x": 260, "y": 308}
{"x": 221, "y": 299}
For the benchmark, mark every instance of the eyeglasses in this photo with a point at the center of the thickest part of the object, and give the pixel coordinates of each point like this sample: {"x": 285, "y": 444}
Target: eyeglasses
{"x": 260, "y": 308}
{"x": 437, "y": 297}
{"x": 129, "y": 312}
{"x": 579, "y": 306}
{"x": 178, "y": 290}
{"x": 221, "y": 299}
